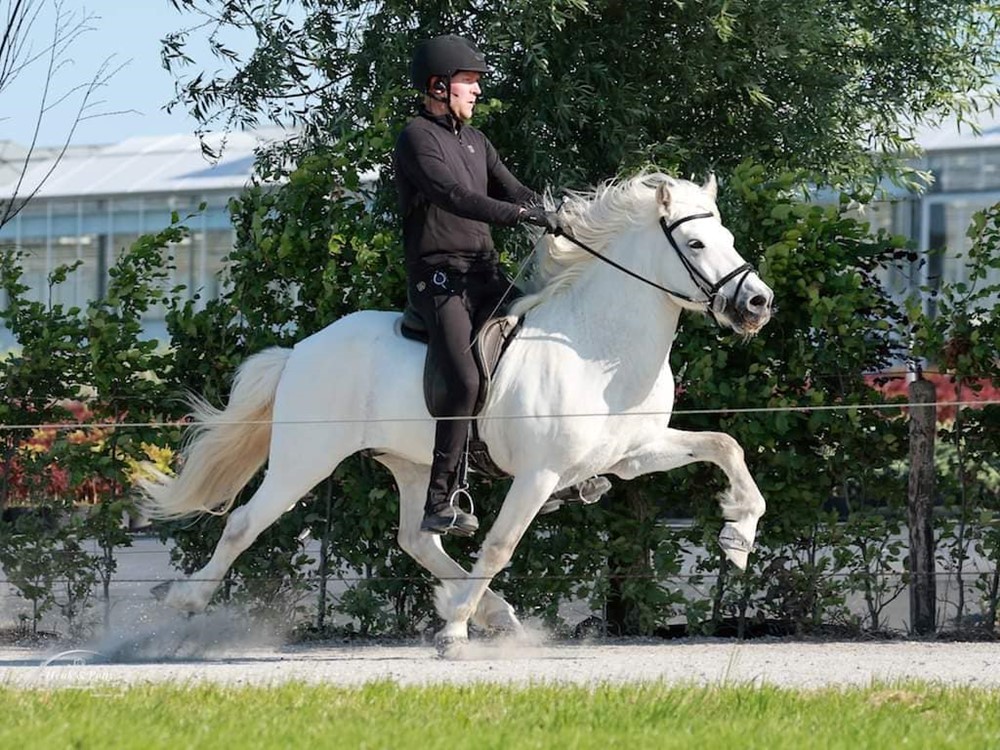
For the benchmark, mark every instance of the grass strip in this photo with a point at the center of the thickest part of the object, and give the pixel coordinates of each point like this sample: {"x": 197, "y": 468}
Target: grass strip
{"x": 386, "y": 715}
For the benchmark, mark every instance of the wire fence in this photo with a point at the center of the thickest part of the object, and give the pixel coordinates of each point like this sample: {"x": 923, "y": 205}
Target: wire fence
{"x": 624, "y": 576}
{"x": 728, "y": 411}
{"x": 891, "y": 578}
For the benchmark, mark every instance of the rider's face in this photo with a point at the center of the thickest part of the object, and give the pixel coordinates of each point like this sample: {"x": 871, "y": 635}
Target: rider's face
{"x": 465, "y": 92}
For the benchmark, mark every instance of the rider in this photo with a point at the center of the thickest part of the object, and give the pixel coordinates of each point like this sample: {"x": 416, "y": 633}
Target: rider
{"x": 452, "y": 186}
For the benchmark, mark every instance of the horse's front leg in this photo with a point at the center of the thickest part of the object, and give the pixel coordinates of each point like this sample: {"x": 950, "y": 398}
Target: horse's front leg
{"x": 742, "y": 504}
{"x": 493, "y": 614}
{"x": 458, "y": 600}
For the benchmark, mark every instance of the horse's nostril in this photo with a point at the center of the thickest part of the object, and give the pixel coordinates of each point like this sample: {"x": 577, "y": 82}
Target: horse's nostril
{"x": 758, "y": 301}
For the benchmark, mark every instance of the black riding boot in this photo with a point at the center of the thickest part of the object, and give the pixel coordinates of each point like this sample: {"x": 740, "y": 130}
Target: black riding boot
{"x": 447, "y": 517}
{"x": 449, "y": 484}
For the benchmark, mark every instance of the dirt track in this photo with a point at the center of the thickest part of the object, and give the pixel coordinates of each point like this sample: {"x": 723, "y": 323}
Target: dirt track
{"x": 788, "y": 663}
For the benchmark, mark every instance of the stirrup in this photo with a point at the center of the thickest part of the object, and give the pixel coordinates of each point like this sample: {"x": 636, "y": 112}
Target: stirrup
{"x": 459, "y": 524}
{"x": 587, "y": 492}
{"x": 456, "y": 496}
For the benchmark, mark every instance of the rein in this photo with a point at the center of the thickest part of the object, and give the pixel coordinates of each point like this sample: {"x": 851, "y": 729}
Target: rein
{"x": 714, "y": 302}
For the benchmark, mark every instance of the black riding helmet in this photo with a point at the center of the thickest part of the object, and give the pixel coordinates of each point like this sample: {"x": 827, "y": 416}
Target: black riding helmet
{"x": 444, "y": 56}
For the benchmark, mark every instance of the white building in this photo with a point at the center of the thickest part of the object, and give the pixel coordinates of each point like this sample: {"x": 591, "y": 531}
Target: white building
{"x": 98, "y": 200}
{"x": 966, "y": 179}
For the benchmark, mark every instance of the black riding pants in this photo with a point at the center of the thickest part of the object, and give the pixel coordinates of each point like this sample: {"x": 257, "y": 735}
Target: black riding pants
{"x": 453, "y": 305}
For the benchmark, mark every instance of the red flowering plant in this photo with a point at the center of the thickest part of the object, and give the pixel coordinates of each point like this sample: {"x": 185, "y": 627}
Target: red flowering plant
{"x": 59, "y": 461}
{"x": 950, "y": 391}
{"x": 54, "y": 474}
{"x": 41, "y": 548}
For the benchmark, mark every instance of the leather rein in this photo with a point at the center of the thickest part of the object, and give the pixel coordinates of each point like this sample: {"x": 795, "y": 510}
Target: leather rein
{"x": 714, "y": 302}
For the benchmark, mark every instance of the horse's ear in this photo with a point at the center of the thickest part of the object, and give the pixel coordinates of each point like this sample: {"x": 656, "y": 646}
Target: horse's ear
{"x": 711, "y": 186}
{"x": 663, "y": 195}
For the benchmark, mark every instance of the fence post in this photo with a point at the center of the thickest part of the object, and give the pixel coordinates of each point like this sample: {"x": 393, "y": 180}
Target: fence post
{"x": 920, "y": 505}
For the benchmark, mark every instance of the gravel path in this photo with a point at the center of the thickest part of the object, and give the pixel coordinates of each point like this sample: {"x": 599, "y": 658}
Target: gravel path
{"x": 780, "y": 662}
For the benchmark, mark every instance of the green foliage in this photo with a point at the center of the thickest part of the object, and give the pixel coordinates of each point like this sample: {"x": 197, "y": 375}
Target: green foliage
{"x": 46, "y": 369}
{"x": 121, "y": 374}
{"x": 587, "y": 88}
{"x": 101, "y": 356}
{"x": 869, "y": 549}
{"x": 42, "y": 556}
{"x": 962, "y": 337}
{"x": 364, "y": 525}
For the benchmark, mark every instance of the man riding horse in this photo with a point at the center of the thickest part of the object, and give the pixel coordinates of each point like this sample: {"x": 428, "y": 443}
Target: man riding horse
{"x": 452, "y": 186}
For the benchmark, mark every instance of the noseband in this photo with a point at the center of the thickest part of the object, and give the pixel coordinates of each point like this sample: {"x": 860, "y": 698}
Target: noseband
{"x": 714, "y": 302}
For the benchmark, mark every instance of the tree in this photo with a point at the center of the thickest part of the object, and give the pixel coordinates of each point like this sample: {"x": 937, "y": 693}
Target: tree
{"x": 17, "y": 53}
{"x": 589, "y": 87}
{"x": 99, "y": 355}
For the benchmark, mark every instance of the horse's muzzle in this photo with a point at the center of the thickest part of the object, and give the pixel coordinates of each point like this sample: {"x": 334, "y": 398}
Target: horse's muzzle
{"x": 752, "y": 308}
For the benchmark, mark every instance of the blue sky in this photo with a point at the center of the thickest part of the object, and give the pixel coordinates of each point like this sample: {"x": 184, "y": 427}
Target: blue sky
{"x": 129, "y": 30}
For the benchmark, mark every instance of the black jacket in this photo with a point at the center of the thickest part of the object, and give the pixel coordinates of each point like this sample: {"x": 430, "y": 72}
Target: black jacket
{"x": 452, "y": 186}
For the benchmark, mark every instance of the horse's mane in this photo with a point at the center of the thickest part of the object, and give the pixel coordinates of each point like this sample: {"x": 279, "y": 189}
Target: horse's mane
{"x": 595, "y": 217}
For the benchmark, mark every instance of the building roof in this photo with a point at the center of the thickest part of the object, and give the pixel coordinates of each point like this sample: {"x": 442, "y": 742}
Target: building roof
{"x": 175, "y": 163}
{"x": 142, "y": 165}
{"x": 950, "y": 136}
{"x": 13, "y": 156}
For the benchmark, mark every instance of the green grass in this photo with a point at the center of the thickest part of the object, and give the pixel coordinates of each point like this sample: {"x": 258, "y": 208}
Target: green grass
{"x": 384, "y": 715}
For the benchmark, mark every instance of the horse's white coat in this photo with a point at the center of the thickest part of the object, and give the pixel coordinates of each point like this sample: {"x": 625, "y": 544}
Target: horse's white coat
{"x": 586, "y": 388}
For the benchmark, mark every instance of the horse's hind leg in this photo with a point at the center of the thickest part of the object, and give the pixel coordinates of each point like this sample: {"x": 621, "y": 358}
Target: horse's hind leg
{"x": 282, "y": 487}
{"x": 493, "y": 614}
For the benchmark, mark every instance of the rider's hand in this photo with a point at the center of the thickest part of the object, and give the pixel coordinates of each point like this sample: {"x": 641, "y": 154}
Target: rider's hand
{"x": 537, "y": 215}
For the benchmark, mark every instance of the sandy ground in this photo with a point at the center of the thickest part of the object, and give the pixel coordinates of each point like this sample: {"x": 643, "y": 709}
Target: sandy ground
{"x": 710, "y": 662}
{"x": 148, "y": 645}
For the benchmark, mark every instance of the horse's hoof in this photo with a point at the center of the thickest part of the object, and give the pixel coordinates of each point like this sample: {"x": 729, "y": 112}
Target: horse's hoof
{"x": 737, "y": 558}
{"x": 449, "y": 647}
{"x": 160, "y": 591}
{"x": 736, "y": 546}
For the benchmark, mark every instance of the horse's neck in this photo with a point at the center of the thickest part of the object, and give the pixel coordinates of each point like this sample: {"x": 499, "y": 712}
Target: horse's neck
{"x": 618, "y": 315}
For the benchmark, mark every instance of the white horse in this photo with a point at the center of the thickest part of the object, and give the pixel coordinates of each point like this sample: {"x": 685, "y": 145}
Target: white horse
{"x": 585, "y": 389}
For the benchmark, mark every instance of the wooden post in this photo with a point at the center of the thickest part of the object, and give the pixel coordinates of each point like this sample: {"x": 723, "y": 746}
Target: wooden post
{"x": 920, "y": 505}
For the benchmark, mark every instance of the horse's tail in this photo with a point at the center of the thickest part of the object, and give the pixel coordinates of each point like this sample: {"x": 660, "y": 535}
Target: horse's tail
{"x": 224, "y": 448}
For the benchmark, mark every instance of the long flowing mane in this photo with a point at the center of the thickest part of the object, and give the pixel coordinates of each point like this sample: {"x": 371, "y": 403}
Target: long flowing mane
{"x": 594, "y": 217}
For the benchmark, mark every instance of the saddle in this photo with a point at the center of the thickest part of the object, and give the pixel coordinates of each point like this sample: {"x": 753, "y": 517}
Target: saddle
{"x": 489, "y": 345}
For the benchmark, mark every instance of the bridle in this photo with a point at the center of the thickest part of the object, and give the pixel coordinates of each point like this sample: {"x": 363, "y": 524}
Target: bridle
{"x": 714, "y": 301}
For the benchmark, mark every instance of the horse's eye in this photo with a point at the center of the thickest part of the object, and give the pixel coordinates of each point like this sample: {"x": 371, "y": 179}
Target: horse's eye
{"x": 696, "y": 245}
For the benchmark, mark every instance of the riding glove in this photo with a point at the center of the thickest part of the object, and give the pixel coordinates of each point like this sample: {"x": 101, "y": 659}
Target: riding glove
{"x": 537, "y": 215}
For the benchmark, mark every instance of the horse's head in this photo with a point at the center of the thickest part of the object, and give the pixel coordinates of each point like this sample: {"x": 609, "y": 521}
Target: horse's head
{"x": 714, "y": 277}
{"x": 698, "y": 268}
